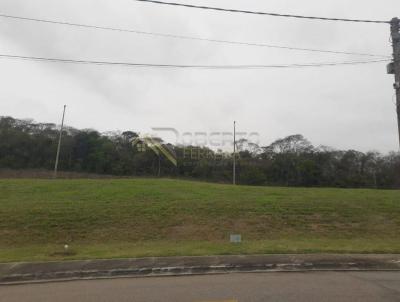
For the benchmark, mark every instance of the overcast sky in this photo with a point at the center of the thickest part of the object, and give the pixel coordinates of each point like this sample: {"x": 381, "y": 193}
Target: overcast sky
{"x": 346, "y": 107}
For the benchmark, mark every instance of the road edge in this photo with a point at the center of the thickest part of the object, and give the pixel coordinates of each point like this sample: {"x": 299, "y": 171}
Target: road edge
{"x": 39, "y": 272}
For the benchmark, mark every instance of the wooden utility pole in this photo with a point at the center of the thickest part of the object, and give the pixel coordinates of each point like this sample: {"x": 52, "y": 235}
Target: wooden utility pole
{"x": 234, "y": 153}
{"x": 159, "y": 165}
{"x": 59, "y": 144}
{"x": 394, "y": 67}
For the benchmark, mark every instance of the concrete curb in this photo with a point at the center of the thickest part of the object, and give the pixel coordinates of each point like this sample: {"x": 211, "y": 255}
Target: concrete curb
{"x": 17, "y": 273}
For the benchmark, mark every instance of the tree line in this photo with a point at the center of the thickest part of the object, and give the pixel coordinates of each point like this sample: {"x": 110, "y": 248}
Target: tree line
{"x": 291, "y": 161}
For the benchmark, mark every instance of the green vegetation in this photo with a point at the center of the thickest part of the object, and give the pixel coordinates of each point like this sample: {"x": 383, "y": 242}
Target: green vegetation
{"x": 292, "y": 161}
{"x": 147, "y": 217}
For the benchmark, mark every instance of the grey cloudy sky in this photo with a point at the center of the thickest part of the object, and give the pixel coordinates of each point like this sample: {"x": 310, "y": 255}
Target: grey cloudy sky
{"x": 349, "y": 107}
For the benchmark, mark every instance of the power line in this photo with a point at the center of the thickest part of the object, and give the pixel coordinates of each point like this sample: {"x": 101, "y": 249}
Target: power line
{"x": 180, "y": 66}
{"x": 166, "y": 35}
{"x": 263, "y": 13}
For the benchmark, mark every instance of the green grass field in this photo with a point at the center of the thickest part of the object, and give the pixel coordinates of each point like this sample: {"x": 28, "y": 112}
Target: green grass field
{"x": 148, "y": 217}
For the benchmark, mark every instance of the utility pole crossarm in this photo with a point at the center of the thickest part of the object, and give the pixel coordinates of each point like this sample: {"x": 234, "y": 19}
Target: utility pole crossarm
{"x": 394, "y": 68}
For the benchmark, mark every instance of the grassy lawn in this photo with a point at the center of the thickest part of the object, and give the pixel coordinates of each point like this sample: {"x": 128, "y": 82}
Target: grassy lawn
{"x": 148, "y": 217}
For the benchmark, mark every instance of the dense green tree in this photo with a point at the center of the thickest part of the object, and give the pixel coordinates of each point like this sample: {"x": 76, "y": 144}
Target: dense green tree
{"x": 290, "y": 161}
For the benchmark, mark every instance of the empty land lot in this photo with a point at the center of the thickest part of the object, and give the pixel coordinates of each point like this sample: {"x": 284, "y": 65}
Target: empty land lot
{"x": 107, "y": 218}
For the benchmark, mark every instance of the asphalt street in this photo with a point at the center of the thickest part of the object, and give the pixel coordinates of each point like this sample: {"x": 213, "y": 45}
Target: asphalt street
{"x": 256, "y": 287}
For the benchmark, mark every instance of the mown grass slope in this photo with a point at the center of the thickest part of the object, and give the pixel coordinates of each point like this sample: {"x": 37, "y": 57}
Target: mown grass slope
{"x": 152, "y": 217}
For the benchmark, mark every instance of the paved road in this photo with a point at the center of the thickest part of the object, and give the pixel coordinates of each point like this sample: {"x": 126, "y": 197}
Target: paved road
{"x": 298, "y": 287}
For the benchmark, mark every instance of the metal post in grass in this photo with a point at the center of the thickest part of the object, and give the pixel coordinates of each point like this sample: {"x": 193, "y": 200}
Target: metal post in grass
{"x": 59, "y": 144}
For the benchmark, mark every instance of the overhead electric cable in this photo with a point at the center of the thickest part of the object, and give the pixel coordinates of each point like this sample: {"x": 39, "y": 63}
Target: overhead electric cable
{"x": 180, "y": 66}
{"x": 167, "y": 35}
{"x": 263, "y": 13}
